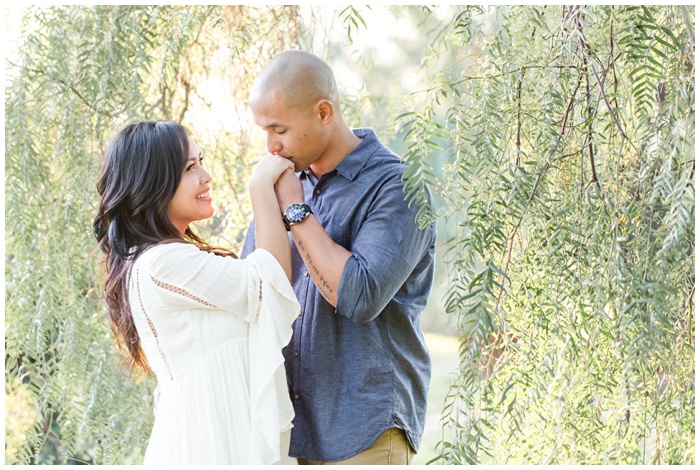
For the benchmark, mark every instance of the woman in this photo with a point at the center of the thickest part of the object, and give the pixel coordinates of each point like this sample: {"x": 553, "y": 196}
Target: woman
{"x": 209, "y": 325}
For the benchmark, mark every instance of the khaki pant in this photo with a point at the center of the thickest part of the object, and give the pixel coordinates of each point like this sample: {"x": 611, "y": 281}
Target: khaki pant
{"x": 391, "y": 448}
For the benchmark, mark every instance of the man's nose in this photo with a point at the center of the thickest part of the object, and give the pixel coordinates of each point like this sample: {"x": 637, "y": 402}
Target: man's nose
{"x": 273, "y": 144}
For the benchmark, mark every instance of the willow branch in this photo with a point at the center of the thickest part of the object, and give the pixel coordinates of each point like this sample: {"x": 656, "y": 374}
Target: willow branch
{"x": 518, "y": 116}
{"x": 688, "y": 23}
{"x": 187, "y": 98}
{"x": 538, "y": 181}
{"x": 607, "y": 104}
{"x": 68, "y": 87}
{"x": 589, "y": 135}
{"x": 691, "y": 177}
{"x": 497, "y": 75}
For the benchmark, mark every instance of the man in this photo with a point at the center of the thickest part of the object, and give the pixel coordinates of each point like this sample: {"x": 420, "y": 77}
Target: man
{"x": 357, "y": 365}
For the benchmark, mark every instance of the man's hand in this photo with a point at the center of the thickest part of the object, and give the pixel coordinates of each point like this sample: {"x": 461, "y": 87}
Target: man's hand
{"x": 288, "y": 190}
{"x": 324, "y": 259}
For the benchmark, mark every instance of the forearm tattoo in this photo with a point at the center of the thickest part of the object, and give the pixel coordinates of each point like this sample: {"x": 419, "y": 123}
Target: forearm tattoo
{"x": 323, "y": 287}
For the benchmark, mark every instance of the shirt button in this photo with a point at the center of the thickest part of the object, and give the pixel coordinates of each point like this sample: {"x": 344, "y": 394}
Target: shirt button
{"x": 299, "y": 312}
{"x": 318, "y": 191}
{"x": 306, "y": 273}
{"x": 296, "y": 353}
{"x": 296, "y": 396}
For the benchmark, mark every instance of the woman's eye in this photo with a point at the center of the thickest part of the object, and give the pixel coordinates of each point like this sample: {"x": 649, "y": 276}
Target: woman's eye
{"x": 194, "y": 164}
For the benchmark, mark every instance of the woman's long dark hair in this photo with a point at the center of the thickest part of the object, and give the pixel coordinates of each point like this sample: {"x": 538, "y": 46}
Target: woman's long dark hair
{"x": 141, "y": 171}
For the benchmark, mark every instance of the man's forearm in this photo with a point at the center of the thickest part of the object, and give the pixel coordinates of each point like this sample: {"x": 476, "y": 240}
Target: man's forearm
{"x": 324, "y": 259}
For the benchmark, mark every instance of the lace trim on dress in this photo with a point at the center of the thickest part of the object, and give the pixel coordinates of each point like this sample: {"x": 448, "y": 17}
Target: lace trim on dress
{"x": 181, "y": 291}
{"x": 150, "y": 324}
{"x": 257, "y": 312}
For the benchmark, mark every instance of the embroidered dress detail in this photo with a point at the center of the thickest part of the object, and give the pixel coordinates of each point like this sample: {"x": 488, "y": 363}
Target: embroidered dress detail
{"x": 257, "y": 312}
{"x": 150, "y": 324}
{"x": 180, "y": 291}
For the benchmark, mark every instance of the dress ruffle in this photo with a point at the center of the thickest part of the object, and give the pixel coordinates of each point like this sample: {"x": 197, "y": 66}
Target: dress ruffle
{"x": 271, "y": 409}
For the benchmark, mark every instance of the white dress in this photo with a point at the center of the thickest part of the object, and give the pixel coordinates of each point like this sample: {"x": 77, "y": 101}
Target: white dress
{"x": 213, "y": 329}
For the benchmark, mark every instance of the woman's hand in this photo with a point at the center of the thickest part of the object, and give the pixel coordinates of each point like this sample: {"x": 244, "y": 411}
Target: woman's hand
{"x": 270, "y": 233}
{"x": 268, "y": 170}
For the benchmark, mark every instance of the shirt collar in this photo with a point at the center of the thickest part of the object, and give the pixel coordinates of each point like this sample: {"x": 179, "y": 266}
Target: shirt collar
{"x": 353, "y": 162}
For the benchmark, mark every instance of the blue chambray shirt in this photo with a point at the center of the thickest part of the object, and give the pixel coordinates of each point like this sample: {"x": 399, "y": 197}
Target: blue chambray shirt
{"x": 356, "y": 370}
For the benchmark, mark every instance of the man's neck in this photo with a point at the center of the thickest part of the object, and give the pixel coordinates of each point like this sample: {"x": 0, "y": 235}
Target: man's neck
{"x": 342, "y": 149}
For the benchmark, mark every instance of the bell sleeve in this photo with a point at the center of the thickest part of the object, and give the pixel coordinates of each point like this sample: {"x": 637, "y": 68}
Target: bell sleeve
{"x": 271, "y": 406}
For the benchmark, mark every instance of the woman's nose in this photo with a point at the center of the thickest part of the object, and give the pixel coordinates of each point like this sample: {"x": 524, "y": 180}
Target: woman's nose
{"x": 205, "y": 176}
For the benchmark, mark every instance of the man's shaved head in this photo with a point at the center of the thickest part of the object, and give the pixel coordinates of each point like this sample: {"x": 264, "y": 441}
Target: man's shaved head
{"x": 301, "y": 78}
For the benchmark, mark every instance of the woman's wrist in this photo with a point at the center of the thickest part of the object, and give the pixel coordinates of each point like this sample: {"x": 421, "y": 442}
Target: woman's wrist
{"x": 258, "y": 183}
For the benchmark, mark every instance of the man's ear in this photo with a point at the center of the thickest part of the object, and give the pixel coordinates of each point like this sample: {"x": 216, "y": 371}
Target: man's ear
{"x": 324, "y": 109}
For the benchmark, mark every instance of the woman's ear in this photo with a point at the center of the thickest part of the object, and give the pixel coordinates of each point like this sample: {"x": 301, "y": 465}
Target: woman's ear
{"x": 325, "y": 111}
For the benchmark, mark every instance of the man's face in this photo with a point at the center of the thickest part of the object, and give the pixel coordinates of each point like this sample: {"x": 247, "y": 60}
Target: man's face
{"x": 292, "y": 133}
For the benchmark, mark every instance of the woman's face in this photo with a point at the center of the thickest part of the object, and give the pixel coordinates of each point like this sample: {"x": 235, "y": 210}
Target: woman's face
{"x": 191, "y": 200}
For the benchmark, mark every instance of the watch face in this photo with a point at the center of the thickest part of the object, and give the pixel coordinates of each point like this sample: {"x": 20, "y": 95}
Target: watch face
{"x": 296, "y": 213}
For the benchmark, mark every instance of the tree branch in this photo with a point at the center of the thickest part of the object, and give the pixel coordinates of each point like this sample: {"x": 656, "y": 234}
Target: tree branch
{"x": 688, "y": 22}
{"x": 68, "y": 87}
{"x": 607, "y": 104}
{"x": 538, "y": 181}
{"x": 589, "y": 134}
{"x": 517, "y": 117}
{"x": 187, "y": 98}
{"x": 508, "y": 72}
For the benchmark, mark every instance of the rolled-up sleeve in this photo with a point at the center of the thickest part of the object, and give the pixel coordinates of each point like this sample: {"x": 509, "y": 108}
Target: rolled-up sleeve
{"x": 385, "y": 252}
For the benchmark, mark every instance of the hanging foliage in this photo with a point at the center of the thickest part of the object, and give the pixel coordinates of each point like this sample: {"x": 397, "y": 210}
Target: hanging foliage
{"x": 570, "y": 192}
{"x": 567, "y": 140}
{"x": 80, "y": 75}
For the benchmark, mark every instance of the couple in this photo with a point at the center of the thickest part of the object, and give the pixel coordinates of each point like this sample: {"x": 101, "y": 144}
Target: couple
{"x": 309, "y": 353}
